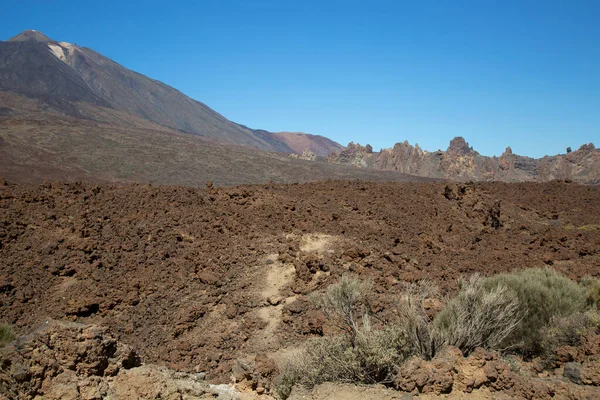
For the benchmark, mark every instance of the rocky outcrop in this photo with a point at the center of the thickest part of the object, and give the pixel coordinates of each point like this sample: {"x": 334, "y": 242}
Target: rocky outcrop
{"x": 62, "y": 357}
{"x": 71, "y": 361}
{"x": 450, "y": 372}
{"x": 356, "y": 155}
{"x": 460, "y": 162}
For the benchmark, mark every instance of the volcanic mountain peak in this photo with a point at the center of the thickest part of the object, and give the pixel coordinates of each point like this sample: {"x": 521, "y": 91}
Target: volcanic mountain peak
{"x": 81, "y": 83}
{"x": 30, "y": 35}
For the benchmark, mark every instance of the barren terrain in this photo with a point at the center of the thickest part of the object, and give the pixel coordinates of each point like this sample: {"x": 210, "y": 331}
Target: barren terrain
{"x": 37, "y": 146}
{"x": 199, "y": 279}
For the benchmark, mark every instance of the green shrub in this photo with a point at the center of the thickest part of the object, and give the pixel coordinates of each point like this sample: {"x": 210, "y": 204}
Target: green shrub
{"x": 6, "y": 334}
{"x": 478, "y": 316}
{"x": 543, "y": 294}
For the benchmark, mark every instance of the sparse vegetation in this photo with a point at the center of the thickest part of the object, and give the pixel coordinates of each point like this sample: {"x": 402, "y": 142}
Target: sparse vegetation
{"x": 534, "y": 311}
{"x": 592, "y": 286}
{"x": 568, "y": 330}
{"x": 479, "y": 316}
{"x": 543, "y": 294}
{"x": 361, "y": 353}
{"x": 415, "y": 321}
{"x": 345, "y": 304}
{"x": 6, "y": 334}
{"x": 371, "y": 359}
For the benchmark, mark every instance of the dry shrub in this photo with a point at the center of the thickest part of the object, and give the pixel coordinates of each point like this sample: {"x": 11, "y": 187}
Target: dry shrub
{"x": 414, "y": 320}
{"x": 507, "y": 310}
{"x": 543, "y": 294}
{"x": 345, "y": 304}
{"x": 361, "y": 354}
{"x": 478, "y": 316}
{"x": 371, "y": 359}
{"x": 592, "y": 285}
{"x": 6, "y": 334}
{"x": 570, "y": 330}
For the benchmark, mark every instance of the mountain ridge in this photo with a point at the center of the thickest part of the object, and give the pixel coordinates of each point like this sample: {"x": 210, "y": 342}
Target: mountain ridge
{"x": 460, "y": 162}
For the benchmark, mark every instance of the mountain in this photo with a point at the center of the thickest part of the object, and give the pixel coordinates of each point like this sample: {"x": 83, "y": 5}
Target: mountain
{"x": 299, "y": 142}
{"x": 461, "y": 163}
{"x": 81, "y": 83}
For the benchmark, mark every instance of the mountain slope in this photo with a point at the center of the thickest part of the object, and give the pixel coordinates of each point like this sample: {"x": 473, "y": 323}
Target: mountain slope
{"x": 319, "y": 145}
{"x": 36, "y": 146}
{"x": 62, "y": 74}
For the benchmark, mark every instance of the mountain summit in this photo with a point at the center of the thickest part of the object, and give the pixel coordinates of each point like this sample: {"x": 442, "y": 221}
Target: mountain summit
{"x": 82, "y": 83}
{"x": 30, "y": 35}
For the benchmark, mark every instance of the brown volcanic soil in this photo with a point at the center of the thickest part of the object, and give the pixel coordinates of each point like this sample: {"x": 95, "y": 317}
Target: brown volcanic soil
{"x": 36, "y": 147}
{"x": 197, "y": 278}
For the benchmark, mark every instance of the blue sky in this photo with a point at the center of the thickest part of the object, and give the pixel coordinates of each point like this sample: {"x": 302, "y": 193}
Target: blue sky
{"x": 519, "y": 73}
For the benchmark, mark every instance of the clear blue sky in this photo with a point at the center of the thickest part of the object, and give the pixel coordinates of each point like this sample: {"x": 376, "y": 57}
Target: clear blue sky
{"x": 519, "y": 73}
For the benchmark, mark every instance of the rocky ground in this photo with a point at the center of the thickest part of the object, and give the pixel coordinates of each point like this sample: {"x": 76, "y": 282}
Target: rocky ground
{"x": 187, "y": 283}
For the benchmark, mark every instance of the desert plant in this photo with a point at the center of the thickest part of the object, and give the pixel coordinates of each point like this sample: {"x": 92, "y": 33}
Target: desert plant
{"x": 345, "y": 304}
{"x": 478, "y": 316}
{"x": 371, "y": 359}
{"x": 6, "y": 334}
{"x": 569, "y": 330}
{"x": 413, "y": 318}
{"x": 361, "y": 354}
{"x": 592, "y": 286}
{"x": 543, "y": 294}
{"x": 507, "y": 310}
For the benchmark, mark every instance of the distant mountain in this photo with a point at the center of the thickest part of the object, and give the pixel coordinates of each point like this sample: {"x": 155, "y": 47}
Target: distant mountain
{"x": 82, "y": 83}
{"x": 461, "y": 163}
{"x": 298, "y": 142}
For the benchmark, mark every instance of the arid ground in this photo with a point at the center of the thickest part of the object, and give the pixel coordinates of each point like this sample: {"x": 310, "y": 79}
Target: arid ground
{"x": 198, "y": 279}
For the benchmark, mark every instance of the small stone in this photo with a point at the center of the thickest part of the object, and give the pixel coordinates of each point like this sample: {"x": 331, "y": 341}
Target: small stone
{"x": 572, "y": 372}
{"x": 231, "y": 311}
{"x": 19, "y": 372}
{"x": 274, "y": 300}
{"x": 260, "y": 390}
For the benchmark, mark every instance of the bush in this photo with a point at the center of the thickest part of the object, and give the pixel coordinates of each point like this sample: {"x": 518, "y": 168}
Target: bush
{"x": 592, "y": 285}
{"x": 371, "y": 359}
{"x": 534, "y": 310}
{"x": 478, "y": 316}
{"x": 360, "y": 355}
{"x": 345, "y": 304}
{"x": 543, "y": 294}
{"x": 566, "y": 331}
{"x": 415, "y": 321}
{"x": 6, "y": 334}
